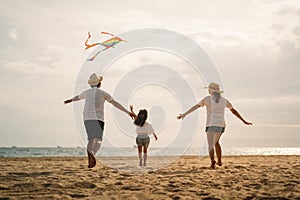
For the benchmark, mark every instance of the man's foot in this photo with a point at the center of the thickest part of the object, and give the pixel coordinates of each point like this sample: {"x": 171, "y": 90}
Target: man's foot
{"x": 141, "y": 162}
{"x": 92, "y": 160}
{"x": 219, "y": 163}
{"x": 145, "y": 164}
{"x": 90, "y": 166}
{"x": 213, "y": 165}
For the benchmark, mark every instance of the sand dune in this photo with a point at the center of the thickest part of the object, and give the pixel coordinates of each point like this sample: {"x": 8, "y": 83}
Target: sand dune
{"x": 241, "y": 177}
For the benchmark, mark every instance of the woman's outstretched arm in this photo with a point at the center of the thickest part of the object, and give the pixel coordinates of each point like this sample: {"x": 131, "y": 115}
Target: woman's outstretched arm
{"x": 192, "y": 109}
{"x": 155, "y": 136}
{"x": 237, "y": 114}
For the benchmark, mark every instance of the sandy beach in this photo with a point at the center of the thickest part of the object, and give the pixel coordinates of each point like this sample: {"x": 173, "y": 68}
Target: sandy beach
{"x": 189, "y": 177}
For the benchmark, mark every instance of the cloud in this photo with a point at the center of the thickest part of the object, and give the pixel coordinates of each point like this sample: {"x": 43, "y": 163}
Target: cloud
{"x": 13, "y": 33}
{"x": 255, "y": 47}
{"x": 296, "y": 30}
{"x": 25, "y": 67}
{"x": 288, "y": 10}
{"x": 221, "y": 39}
{"x": 280, "y": 100}
{"x": 280, "y": 125}
{"x": 279, "y": 26}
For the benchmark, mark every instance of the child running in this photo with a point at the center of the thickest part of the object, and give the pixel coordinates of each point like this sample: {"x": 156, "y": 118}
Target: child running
{"x": 143, "y": 130}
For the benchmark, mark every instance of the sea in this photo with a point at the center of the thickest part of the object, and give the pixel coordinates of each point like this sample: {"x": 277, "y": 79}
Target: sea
{"x": 106, "y": 151}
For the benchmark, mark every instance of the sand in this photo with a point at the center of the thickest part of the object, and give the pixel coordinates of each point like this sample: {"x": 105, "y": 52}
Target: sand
{"x": 241, "y": 177}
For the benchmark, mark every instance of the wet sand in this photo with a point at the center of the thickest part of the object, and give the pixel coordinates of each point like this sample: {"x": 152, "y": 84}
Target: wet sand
{"x": 189, "y": 177}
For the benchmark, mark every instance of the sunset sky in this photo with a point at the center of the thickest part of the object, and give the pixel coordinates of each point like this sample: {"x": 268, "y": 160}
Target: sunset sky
{"x": 255, "y": 46}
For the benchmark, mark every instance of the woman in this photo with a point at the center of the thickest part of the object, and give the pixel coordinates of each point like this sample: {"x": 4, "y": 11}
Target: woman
{"x": 143, "y": 130}
{"x": 215, "y": 122}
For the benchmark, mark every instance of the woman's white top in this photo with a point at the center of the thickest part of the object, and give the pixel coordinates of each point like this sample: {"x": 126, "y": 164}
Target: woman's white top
{"x": 145, "y": 130}
{"x": 215, "y": 111}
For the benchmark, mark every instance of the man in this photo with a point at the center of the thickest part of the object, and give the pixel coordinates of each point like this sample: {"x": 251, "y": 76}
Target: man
{"x": 93, "y": 114}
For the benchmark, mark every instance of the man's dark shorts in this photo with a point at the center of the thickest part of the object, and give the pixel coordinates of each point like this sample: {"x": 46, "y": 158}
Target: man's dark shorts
{"x": 94, "y": 129}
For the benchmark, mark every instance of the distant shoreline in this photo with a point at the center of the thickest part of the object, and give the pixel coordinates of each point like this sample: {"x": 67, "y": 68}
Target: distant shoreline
{"x": 123, "y": 152}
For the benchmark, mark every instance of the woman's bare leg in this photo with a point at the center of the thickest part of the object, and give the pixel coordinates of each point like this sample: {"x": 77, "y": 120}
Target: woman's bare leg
{"x": 219, "y": 153}
{"x": 211, "y": 144}
{"x": 218, "y": 148}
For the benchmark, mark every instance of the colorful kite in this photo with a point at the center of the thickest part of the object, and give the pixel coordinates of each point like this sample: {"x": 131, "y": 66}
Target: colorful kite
{"x": 107, "y": 44}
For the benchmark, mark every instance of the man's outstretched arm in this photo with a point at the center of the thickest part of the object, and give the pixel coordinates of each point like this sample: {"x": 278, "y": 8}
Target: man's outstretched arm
{"x": 120, "y": 107}
{"x": 76, "y": 98}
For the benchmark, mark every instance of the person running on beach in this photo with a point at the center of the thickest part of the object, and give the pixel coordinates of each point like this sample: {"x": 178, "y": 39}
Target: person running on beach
{"x": 215, "y": 121}
{"x": 143, "y": 130}
{"x": 93, "y": 114}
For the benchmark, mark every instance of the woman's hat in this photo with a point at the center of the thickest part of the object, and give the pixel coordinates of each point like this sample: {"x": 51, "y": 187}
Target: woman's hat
{"x": 94, "y": 79}
{"x": 214, "y": 87}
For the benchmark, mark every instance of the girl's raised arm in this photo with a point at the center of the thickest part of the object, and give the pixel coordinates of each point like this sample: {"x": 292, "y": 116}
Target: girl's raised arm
{"x": 131, "y": 110}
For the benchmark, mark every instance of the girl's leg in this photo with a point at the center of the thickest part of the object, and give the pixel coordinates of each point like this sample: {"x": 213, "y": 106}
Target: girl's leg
{"x": 140, "y": 154}
{"x": 145, "y": 155}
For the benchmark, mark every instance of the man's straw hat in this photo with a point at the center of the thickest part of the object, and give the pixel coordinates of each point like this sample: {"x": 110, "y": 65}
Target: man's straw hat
{"x": 94, "y": 79}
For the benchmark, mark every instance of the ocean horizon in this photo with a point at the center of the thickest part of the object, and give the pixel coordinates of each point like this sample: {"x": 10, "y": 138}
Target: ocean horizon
{"x": 59, "y": 151}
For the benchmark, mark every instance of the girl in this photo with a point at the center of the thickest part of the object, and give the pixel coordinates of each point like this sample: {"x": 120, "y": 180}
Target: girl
{"x": 143, "y": 130}
{"x": 215, "y": 122}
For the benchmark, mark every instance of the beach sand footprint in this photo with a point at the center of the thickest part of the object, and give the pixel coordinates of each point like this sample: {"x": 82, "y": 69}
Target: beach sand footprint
{"x": 85, "y": 184}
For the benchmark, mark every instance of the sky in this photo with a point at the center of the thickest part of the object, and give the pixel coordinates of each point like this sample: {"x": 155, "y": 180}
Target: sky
{"x": 255, "y": 46}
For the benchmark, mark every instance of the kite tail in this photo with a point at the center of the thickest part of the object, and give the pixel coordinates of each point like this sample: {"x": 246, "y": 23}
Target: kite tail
{"x": 90, "y": 45}
{"x": 114, "y": 36}
{"x": 108, "y": 33}
{"x": 93, "y": 58}
{"x": 87, "y": 45}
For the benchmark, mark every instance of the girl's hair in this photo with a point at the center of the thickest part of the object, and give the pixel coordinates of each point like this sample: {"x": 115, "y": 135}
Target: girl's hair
{"x": 141, "y": 118}
{"x": 217, "y": 96}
